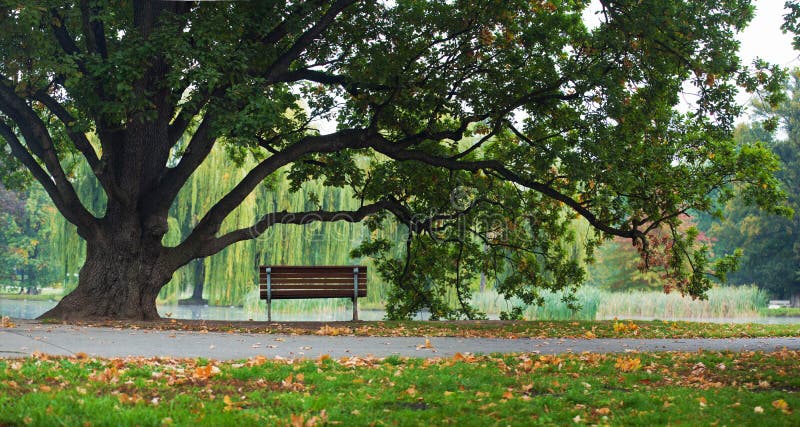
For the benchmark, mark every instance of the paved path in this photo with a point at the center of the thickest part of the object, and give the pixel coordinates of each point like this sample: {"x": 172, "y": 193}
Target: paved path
{"x": 111, "y": 342}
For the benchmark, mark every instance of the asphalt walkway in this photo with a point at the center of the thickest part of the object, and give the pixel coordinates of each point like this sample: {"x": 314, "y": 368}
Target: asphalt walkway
{"x": 67, "y": 340}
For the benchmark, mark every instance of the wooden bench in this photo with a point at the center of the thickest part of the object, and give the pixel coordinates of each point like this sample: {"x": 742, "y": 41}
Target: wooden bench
{"x": 779, "y": 304}
{"x": 301, "y": 282}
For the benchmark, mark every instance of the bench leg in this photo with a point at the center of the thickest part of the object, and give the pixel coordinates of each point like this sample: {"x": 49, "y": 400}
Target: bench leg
{"x": 355, "y": 309}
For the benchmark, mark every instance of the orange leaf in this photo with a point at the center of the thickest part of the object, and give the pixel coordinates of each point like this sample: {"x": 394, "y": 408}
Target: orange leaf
{"x": 297, "y": 420}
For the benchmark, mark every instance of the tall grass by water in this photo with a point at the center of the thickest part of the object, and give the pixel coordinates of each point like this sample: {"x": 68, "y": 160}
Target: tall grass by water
{"x": 722, "y": 302}
{"x": 595, "y": 303}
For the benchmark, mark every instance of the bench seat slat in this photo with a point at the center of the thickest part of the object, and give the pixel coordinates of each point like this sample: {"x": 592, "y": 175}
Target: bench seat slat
{"x": 312, "y": 293}
{"x": 275, "y": 276}
{"x": 279, "y": 280}
{"x": 320, "y": 269}
{"x": 301, "y": 286}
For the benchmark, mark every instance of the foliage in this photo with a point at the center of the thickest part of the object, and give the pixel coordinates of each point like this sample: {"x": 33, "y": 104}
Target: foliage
{"x": 484, "y": 128}
{"x": 523, "y": 389}
{"x": 770, "y": 244}
{"x": 25, "y": 223}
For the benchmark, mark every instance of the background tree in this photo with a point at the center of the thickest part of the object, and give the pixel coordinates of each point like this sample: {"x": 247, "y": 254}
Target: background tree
{"x": 566, "y": 120}
{"x": 25, "y": 219}
{"x": 770, "y": 244}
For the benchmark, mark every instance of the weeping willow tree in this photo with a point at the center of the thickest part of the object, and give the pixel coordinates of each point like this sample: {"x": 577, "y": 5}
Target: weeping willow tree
{"x": 230, "y": 276}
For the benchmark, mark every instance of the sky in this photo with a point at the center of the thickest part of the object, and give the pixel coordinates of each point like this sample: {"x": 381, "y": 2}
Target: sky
{"x": 763, "y": 39}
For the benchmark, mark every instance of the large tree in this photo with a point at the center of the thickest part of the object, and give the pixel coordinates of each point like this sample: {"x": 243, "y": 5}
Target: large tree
{"x": 483, "y": 126}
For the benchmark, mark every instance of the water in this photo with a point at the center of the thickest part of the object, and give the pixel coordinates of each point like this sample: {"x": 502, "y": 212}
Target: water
{"x": 24, "y": 309}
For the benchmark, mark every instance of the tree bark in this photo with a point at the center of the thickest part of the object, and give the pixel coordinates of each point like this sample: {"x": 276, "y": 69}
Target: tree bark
{"x": 117, "y": 281}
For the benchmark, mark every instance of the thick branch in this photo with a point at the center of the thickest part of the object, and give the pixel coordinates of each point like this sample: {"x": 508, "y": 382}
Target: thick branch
{"x": 213, "y": 246}
{"x": 78, "y": 138}
{"x": 67, "y": 209}
{"x": 63, "y": 37}
{"x": 93, "y": 30}
{"x": 398, "y": 153}
{"x": 209, "y": 225}
{"x": 196, "y": 152}
{"x": 351, "y": 86}
{"x": 292, "y": 53}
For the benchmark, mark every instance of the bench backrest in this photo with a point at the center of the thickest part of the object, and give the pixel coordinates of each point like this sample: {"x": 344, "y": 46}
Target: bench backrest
{"x": 780, "y": 303}
{"x": 295, "y": 282}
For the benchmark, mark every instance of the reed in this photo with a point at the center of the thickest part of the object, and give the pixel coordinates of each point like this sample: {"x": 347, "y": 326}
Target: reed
{"x": 722, "y": 302}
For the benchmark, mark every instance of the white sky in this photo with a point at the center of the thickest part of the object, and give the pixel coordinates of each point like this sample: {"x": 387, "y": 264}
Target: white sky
{"x": 764, "y": 39}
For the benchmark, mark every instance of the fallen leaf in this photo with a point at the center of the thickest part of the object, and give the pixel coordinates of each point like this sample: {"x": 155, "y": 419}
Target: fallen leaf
{"x": 782, "y": 405}
{"x": 5, "y": 322}
{"x": 628, "y": 364}
{"x": 758, "y": 410}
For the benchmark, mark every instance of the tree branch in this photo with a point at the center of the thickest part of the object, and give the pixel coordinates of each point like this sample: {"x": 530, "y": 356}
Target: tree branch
{"x": 93, "y": 30}
{"x": 77, "y": 215}
{"x": 352, "y": 87}
{"x": 395, "y": 152}
{"x": 172, "y": 181}
{"x": 78, "y": 138}
{"x": 292, "y": 53}
{"x": 299, "y": 218}
{"x": 209, "y": 225}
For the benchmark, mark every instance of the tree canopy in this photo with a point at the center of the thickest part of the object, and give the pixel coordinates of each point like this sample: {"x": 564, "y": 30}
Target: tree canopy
{"x": 484, "y": 127}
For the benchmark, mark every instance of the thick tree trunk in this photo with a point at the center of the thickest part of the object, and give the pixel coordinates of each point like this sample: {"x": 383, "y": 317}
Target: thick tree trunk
{"x": 116, "y": 282}
{"x": 199, "y": 278}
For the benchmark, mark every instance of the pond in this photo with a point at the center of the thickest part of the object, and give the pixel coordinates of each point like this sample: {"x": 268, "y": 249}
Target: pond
{"x": 30, "y": 309}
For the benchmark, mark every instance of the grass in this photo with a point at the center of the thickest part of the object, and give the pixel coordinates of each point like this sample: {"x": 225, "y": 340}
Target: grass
{"x": 484, "y": 328}
{"x": 525, "y": 389}
{"x": 781, "y": 312}
{"x": 722, "y": 302}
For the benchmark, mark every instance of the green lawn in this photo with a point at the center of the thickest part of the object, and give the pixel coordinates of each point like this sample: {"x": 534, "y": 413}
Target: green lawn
{"x": 528, "y": 389}
{"x": 781, "y": 312}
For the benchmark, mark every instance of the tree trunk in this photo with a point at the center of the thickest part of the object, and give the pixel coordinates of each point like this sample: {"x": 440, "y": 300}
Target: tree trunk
{"x": 199, "y": 278}
{"x": 117, "y": 281}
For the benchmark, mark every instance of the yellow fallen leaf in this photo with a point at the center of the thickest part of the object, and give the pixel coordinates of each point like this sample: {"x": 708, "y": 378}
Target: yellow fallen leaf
{"x": 628, "y": 364}
{"x": 782, "y": 405}
{"x": 758, "y": 410}
{"x": 5, "y": 322}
